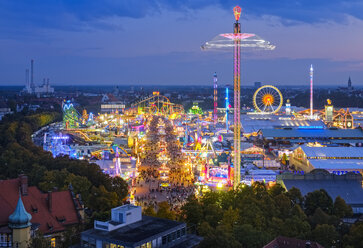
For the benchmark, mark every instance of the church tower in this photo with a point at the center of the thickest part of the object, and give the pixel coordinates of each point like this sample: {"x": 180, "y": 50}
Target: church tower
{"x": 349, "y": 84}
{"x": 19, "y": 222}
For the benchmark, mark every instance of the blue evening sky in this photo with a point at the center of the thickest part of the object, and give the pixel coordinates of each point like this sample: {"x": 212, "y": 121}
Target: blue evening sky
{"x": 158, "y": 41}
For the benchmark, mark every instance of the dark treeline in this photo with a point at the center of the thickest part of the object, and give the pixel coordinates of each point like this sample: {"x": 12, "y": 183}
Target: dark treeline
{"x": 250, "y": 217}
{"x": 19, "y": 155}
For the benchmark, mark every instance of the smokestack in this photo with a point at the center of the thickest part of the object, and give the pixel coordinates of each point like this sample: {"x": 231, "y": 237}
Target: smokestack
{"x": 311, "y": 91}
{"x": 32, "y": 73}
{"x": 23, "y": 184}
{"x": 27, "y": 85}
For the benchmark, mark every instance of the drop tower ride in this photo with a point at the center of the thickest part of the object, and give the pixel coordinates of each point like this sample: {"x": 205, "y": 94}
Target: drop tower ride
{"x": 236, "y": 41}
{"x": 237, "y": 99}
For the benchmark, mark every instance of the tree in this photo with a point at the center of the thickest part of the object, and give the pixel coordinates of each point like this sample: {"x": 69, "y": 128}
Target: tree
{"x": 283, "y": 205}
{"x": 276, "y": 190}
{"x": 230, "y": 218}
{"x": 192, "y": 211}
{"x": 284, "y": 159}
{"x": 120, "y": 187}
{"x": 38, "y": 241}
{"x": 249, "y": 237}
{"x": 149, "y": 211}
{"x": 325, "y": 234}
{"x": 219, "y": 237}
{"x": 81, "y": 185}
{"x": 355, "y": 237}
{"x": 318, "y": 199}
{"x": 295, "y": 196}
{"x": 164, "y": 211}
{"x": 341, "y": 209}
{"x": 320, "y": 217}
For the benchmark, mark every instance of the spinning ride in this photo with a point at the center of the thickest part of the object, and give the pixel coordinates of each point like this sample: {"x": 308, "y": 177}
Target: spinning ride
{"x": 236, "y": 41}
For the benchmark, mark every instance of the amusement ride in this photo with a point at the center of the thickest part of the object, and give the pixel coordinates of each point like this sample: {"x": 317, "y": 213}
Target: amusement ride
{"x": 267, "y": 99}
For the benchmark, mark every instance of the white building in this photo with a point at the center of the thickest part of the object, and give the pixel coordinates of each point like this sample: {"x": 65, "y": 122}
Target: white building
{"x": 129, "y": 228}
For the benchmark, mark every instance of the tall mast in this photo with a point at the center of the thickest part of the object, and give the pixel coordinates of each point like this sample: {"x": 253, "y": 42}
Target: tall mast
{"x": 237, "y": 99}
{"x": 227, "y": 107}
{"x": 215, "y": 86}
{"x": 311, "y": 91}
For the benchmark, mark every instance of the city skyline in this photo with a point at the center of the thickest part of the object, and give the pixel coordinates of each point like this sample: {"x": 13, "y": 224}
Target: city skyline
{"x": 109, "y": 43}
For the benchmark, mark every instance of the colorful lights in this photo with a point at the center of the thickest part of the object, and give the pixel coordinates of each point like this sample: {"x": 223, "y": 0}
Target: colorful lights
{"x": 311, "y": 91}
{"x": 60, "y": 137}
{"x": 215, "y": 98}
{"x": 237, "y": 12}
{"x": 227, "y": 107}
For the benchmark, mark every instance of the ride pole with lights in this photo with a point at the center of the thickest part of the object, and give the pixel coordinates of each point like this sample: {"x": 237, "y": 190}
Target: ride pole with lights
{"x": 236, "y": 41}
{"x": 215, "y": 99}
{"x": 237, "y": 99}
{"x": 311, "y": 91}
{"x": 227, "y": 107}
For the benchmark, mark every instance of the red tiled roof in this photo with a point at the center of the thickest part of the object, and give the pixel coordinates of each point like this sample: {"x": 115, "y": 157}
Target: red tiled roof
{"x": 285, "y": 242}
{"x": 62, "y": 206}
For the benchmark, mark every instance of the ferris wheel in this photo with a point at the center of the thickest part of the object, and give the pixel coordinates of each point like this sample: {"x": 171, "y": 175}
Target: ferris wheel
{"x": 267, "y": 99}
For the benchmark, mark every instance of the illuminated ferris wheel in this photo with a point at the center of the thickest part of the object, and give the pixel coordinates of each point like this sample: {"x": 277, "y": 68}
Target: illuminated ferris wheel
{"x": 267, "y": 99}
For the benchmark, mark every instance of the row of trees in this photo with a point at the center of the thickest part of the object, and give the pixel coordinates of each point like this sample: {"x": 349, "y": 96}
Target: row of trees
{"x": 253, "y": 216}
{"x": 19, "y": 155}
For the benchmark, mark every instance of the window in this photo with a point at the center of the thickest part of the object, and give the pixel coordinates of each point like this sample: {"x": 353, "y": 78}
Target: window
{"x": 121, "y": 217}
{"x": 52, "y": 242}
{"x": 163, "y": 240}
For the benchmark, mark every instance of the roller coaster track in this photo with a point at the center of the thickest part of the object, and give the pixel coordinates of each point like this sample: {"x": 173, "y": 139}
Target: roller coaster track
{"x": 110, "y": 149}
{"x": 156, "y": 104}
{"x": 84, "y": 135}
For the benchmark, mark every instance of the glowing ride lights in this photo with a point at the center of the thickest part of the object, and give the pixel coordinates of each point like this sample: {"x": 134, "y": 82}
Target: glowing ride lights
{"x": 227, "y": 107}
{"x": 215, "y": 98}
{"x": 237, "y": 12}
{"x": 237, "y": 40}
{"x": 267, "y": 99}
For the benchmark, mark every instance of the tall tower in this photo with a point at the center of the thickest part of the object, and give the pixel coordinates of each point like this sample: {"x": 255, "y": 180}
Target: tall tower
{"x": 227, "y": 107}
{"x": 215, "y": 86}
{"x": 236, "y": 40}
{"x": 349, "y": 83}
{"x": 237, "y": 99}
{"x": 311, "y": 91}
{"x": 19, "y": 222}
{"x": 32, "y": 74}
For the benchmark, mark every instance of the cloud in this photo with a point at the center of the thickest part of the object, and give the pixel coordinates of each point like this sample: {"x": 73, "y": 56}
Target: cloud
{"x": 83, "y": 14}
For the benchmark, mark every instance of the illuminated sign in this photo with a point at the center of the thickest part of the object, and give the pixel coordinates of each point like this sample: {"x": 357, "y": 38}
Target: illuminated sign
{"x": 60, "y": 137}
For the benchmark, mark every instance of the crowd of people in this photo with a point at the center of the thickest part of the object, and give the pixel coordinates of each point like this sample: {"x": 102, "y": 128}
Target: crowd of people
{"x": 162, "y": 176}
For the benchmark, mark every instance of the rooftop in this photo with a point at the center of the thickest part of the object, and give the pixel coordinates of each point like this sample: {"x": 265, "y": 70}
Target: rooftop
{"x": 337, "y": 164}
{"x": 336, "y": 152}
{"x": 285, "y": 242}
{"x": 348, "y": 186}
{"x": 313, "y": 133}
{"x": 136, "y": 232}
{"x": 51, "y": 217}
{"x": 254, "y": 125}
